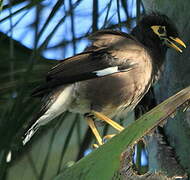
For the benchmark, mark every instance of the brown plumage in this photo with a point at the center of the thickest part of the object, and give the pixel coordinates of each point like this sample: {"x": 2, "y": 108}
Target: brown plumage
{"x": 110, "y": 77}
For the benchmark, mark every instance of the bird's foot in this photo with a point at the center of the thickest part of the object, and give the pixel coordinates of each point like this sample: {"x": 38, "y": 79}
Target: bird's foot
{"x": 90, "y": 120}
{"x": 95, "y": 146}
{"x": 104, "y": 140}
{"x": 107, "y": 137}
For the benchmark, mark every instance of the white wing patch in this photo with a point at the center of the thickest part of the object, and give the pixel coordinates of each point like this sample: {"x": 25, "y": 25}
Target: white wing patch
{"x": 107, "y": 71}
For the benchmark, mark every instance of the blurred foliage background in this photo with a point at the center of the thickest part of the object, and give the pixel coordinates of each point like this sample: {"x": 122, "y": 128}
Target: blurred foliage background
{"x": 34, "y": 35}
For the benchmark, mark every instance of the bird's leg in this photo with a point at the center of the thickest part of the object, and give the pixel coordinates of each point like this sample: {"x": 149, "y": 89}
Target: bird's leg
{"x": 108, "y": 120}
{"x": 92, "y": 126}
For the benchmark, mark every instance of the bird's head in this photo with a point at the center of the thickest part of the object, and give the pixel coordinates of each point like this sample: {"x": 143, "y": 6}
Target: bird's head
{"x": 156, "y": 30}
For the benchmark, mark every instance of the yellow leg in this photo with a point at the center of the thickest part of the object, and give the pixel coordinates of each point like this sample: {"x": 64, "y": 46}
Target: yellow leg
{"x": 94, "y": 130}
{"x": 108, "y": 120}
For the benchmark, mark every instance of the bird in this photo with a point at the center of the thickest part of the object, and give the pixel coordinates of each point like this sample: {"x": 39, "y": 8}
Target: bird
{"x": 110, "y": 77}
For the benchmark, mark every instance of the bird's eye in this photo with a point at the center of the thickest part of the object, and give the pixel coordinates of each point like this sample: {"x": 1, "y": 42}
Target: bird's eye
{"x": 159, "y": 30}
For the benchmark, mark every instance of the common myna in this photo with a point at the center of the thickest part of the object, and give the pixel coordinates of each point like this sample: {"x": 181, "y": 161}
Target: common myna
{"x": 110, "y": 77}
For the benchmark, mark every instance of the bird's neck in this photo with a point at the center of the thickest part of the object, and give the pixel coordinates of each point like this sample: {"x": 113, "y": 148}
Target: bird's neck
{"x": 155, "y": 48}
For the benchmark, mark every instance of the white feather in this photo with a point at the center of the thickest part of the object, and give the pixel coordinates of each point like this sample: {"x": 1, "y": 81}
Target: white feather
{"x": 107, "y": 71}
{"x": 59, "y": 106}
{"x": 30, "y": 132}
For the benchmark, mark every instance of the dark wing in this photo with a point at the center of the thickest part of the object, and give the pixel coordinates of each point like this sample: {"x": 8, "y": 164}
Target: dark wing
{"x": 110, "y": 56}
{"x": 79, "y": 67}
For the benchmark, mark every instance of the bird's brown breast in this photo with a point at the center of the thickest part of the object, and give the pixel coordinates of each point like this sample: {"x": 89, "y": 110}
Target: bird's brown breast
{"x": 116, "y": 92}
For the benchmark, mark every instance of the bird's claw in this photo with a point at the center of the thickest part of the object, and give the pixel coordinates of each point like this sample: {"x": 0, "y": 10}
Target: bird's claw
{"x": 107, "y": 137}
{"x": 95, "y": 146}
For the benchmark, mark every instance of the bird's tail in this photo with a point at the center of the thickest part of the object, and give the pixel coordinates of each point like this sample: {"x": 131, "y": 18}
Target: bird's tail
{"x": 30, "y": 132}
{"x": 19, "y": 140}
{"x": 53, "y": 105}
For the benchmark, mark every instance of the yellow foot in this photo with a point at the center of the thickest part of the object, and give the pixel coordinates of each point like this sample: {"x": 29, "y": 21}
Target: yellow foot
{"x": 104, "y": 140}
{"x": 95, "y": 146}
{"x": 107, "y": 137}
{"x": 108, "y": 120}
{"x": 90, "y": 120}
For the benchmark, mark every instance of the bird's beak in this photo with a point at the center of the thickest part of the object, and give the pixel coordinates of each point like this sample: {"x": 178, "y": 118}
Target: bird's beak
{"x": 171, "y": 43}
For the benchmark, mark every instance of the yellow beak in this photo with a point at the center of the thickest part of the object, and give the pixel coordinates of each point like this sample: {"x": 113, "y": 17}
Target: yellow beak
{"x": 170, "y": 42}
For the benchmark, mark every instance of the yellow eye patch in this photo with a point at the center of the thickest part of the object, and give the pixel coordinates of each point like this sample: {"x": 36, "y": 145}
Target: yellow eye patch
{"x": 159, "y": 30}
